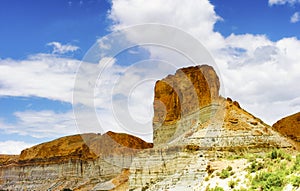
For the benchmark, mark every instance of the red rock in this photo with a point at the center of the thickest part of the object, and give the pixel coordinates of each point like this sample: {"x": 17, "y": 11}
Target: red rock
{"x": 185, "y": 92}
{"x": 290, "y": 127}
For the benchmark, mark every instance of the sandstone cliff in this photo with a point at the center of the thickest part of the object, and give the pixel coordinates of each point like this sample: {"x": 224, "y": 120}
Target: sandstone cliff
{"x": 192, "y": 126}
{"x": 188, "y": 90}
{"x": 78, "y": 162}
{"x": 179, "y": 95}
{"x": 290, "y": 127}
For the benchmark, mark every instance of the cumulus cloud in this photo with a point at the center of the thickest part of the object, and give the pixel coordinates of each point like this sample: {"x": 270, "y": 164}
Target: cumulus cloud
{"x": 260, "y": 73}
{"x": 264, "y": 76}
{"x": 13, "y": 147}
{"x": 193, "y": 16}
{"x": 41, "y": 124}
{"x": 282, "y": 2}
{"x": 59, "y": 48}
{"x": 295, "y": 18}
{"x": 40, "y": 75}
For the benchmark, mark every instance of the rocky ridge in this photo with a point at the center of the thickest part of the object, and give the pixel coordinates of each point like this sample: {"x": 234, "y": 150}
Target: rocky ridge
{"x": 290, "y": 127}
{"x": 70, "y": 162}
{"x": 192, "y": 125}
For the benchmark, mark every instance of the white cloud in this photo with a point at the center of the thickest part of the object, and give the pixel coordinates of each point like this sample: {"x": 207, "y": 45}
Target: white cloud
{"x": 40, "y": 75}
{"x": 193, "y": 16}
{"x": 59, "y": 48}
{"x": 13, "y": 147}
{"x": 41, "y": 124}
{"x": 295, "y": 17}
{"x": 263, "y": 78}
{"x": 282, "y": 2}
{"x": 259, "y": 73}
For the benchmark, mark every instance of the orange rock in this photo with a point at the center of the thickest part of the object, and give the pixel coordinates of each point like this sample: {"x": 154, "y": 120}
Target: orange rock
{"x": 290, "y": 127}
{"x": 185, "y": 92}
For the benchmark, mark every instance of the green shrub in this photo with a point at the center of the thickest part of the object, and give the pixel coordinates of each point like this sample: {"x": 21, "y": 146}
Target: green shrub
{"x": 225, "y": 173}
{"x": 296, "y": 166}
{"x": 295, "y": 181}
{"x": 279, "y": 154}
{"x": 275, "y": 181}
{"x": 241, "y": 189}
{"x": 217, "y": 188}
{"x": 268, "y": 181}
{"x": 251, "y": 158}
{"x": 232, "y": 183}
{"x": 206, "y": 178}
{"x": 255, "y": 166}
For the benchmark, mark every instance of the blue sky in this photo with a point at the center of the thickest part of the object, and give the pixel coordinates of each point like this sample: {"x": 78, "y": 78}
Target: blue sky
{"x": 27, "y": 26}
{"x": 256, "y": 17}
{"x": 43, "y": 42}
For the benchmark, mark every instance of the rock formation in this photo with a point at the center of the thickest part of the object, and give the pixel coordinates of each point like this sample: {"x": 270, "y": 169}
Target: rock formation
{"x": 185, "y": 92}
{"x": 192, "y": 124}
{"x": 71, "y": 162}
{"x": 290, "y": 127}
{"x": 181, "y": 164}
{"x": 179, "y": 95}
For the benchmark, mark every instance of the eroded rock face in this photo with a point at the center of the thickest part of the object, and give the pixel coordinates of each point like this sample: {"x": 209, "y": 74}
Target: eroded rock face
{"x": 290, "y": 127}
{"x": 78, "y": 162}
{"x": 181, "y": 163}
{"x": 185, "y": 92}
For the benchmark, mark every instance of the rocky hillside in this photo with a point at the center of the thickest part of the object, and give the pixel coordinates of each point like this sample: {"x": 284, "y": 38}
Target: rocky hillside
{"x": 70, "y": 162}
{"x": 193, "y": 126}
{"x": 290, "y": 127}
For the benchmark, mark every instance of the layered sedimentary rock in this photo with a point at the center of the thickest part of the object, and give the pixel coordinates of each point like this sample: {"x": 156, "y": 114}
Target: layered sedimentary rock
{"x": 79, "y": 162}
{"x": 179, "y": 95}
{"x": 188, "y": 90}
{"x": 197, "y": 128}
{"x": 290, "y": 127}
{"x": 192, "y": 125}
{"x": 182, "y": 162}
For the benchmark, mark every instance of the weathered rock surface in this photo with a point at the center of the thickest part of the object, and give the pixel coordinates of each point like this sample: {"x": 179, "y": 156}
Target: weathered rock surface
{"x": 197, "y": 127}
{"x": 181, "y": 94}
{"x": 181, "y": 164}
{"x": 184, "y": 92}
{"x": 192, "y": 125}
{"x": 290, "y": 127}
{"x": 70, "y": 162}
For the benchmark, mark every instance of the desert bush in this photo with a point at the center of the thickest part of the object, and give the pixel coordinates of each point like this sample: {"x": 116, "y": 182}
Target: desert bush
{"x": 268, "y": 181}
{"x": 296, "y": 166}
{"x": 217, "y": 188}
{"x": 255, "y": 166}
{"x": 295, "y": 181}
{"x": 279, "y": 154}
{"x": 232, "y": 183}
{"x": 224, "y": 174}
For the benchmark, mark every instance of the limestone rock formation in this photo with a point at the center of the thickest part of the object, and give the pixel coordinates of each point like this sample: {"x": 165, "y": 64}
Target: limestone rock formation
{"x": 290, "y": 127}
